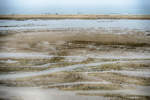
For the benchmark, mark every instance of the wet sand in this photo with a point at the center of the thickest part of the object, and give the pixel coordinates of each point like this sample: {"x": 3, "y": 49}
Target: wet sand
{"x": 76, "y": 63}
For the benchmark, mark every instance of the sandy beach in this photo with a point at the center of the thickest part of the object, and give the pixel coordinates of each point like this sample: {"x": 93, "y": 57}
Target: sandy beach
{"x": 47, "y": 16}
{"x": 43, "y": 61}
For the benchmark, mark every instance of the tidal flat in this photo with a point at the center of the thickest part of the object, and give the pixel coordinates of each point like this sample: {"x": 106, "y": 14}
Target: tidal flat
{"x": 102, "y": 59}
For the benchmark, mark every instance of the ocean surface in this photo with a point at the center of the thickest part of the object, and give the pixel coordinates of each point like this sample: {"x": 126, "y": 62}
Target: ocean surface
{"x": 76, "y": 11}
{"x": 74, "y": 24}
{"x": 60, "y": 10}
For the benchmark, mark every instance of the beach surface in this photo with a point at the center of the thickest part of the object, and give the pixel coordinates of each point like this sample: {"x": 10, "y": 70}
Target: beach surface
{"x": 115, "y": 16}
{"x": 103, "y": 59}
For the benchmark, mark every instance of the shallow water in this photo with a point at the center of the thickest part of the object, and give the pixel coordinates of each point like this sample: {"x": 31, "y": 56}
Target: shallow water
{"x": 52, "y": 70}
{"x": 30, "y": 93}
{"x": 74, "y": 23}
{"x": 25, "y": 55}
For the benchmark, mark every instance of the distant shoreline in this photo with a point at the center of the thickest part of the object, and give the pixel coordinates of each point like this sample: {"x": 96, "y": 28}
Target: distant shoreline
{"x": 23, "y": 17}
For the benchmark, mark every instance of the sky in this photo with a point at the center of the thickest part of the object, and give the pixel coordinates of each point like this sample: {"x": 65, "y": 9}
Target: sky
{"x": 73, "y": 6}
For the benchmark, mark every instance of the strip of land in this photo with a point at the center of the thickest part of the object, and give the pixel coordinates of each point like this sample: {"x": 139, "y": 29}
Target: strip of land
{"x": 22, "y": 17}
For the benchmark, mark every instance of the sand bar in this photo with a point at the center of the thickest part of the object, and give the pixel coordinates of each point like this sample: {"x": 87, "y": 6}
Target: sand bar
{"x": 115, "y": 16}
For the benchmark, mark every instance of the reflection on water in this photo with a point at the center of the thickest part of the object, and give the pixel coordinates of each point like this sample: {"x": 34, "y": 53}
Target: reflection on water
{"x": 74, "y": 23}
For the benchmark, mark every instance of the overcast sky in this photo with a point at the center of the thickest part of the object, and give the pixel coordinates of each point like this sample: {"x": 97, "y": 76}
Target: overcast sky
{"x": 10, "y": 5}
{"x": 43, "y": 3}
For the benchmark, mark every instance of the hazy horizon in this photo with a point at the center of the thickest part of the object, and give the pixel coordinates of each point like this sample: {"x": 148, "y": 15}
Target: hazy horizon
{"x": 74, "y": 7}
